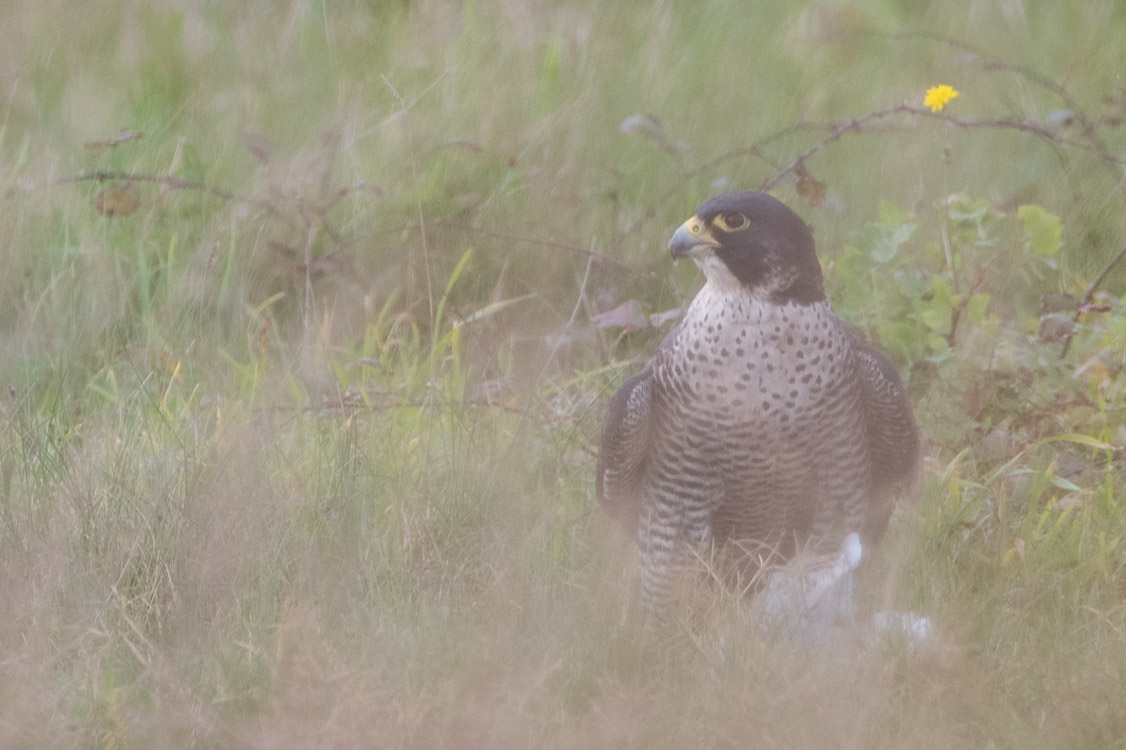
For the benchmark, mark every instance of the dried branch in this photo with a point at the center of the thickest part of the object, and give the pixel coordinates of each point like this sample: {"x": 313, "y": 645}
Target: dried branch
{"x": 859, "y": 126}
{"x": 168, "y": 181}
{"x": 991, "y": 62}
{"x": 866, "y": 125}
{"x": 1090, "y": 295}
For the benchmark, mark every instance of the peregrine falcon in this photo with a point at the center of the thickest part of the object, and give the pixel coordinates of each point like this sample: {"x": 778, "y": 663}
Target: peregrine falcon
{"x": 764, "y": 426}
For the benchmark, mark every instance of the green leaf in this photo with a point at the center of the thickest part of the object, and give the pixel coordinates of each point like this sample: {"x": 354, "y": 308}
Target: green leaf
{"x": 975, "y": 308}
{"x": 936, "y": 318}
{"x": 461, "y": 263}
{"x": 937, "y": 345}
{"x": 1042, "y": 230}
{"x": 1064, "y": 484}
{"x": 902, "y": 338}
{"x": 883, "y": 242}
{"x": 903, "y": 233}
{"x": 942, "y": 294}
{"x": 968, "y": 210}
{"x": 1079, "y": 439}
{"x": 891, "y": 215}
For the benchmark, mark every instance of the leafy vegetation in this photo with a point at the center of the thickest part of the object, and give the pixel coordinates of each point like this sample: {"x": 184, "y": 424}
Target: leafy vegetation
{"x": 303, "y": 365}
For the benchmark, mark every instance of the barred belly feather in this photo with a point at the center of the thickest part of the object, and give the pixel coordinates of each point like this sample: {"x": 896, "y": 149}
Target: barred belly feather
{"x": 762, "y": 442}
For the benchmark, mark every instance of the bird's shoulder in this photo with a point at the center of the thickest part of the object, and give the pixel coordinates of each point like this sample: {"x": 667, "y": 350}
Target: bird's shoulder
{"x": 877, "y": 370}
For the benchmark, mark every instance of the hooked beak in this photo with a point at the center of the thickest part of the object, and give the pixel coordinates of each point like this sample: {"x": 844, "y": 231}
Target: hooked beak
{"x": 692, "y": 239}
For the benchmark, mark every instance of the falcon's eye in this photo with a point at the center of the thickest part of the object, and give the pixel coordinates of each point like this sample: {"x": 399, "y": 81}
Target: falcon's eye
{"x": 732, "y": 221}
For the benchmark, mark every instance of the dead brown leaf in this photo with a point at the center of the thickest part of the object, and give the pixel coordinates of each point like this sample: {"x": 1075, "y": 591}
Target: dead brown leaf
{"x": 812, "y": 190}
{"x": 123, "y": 136}
{"x": 117, "y": 200}
{"x": 631, "y": 315}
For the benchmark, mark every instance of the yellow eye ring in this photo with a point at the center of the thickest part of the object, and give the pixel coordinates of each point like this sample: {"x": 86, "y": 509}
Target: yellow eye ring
{"x": 731, "y": 221}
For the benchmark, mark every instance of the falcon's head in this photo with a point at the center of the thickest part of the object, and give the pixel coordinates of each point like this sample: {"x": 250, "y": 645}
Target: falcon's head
{"x": 755, "y": 241}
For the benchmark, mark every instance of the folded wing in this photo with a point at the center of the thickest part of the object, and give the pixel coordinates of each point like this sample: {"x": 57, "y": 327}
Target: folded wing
{"x": 893, "y": 440}
{"x": 624, "y": 453}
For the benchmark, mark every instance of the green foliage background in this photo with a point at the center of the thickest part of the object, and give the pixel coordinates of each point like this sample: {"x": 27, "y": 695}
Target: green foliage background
{"x": 301, "y": 451}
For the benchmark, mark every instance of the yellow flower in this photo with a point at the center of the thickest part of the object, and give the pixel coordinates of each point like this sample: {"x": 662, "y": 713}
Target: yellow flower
{"x": 937, "y": 96}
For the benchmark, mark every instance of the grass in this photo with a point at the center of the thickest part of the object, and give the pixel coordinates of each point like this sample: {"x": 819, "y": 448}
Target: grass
{"x": 309, "y": 460}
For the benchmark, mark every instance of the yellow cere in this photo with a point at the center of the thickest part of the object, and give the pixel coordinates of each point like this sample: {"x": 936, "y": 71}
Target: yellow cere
{"x": 938, "y": 96}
